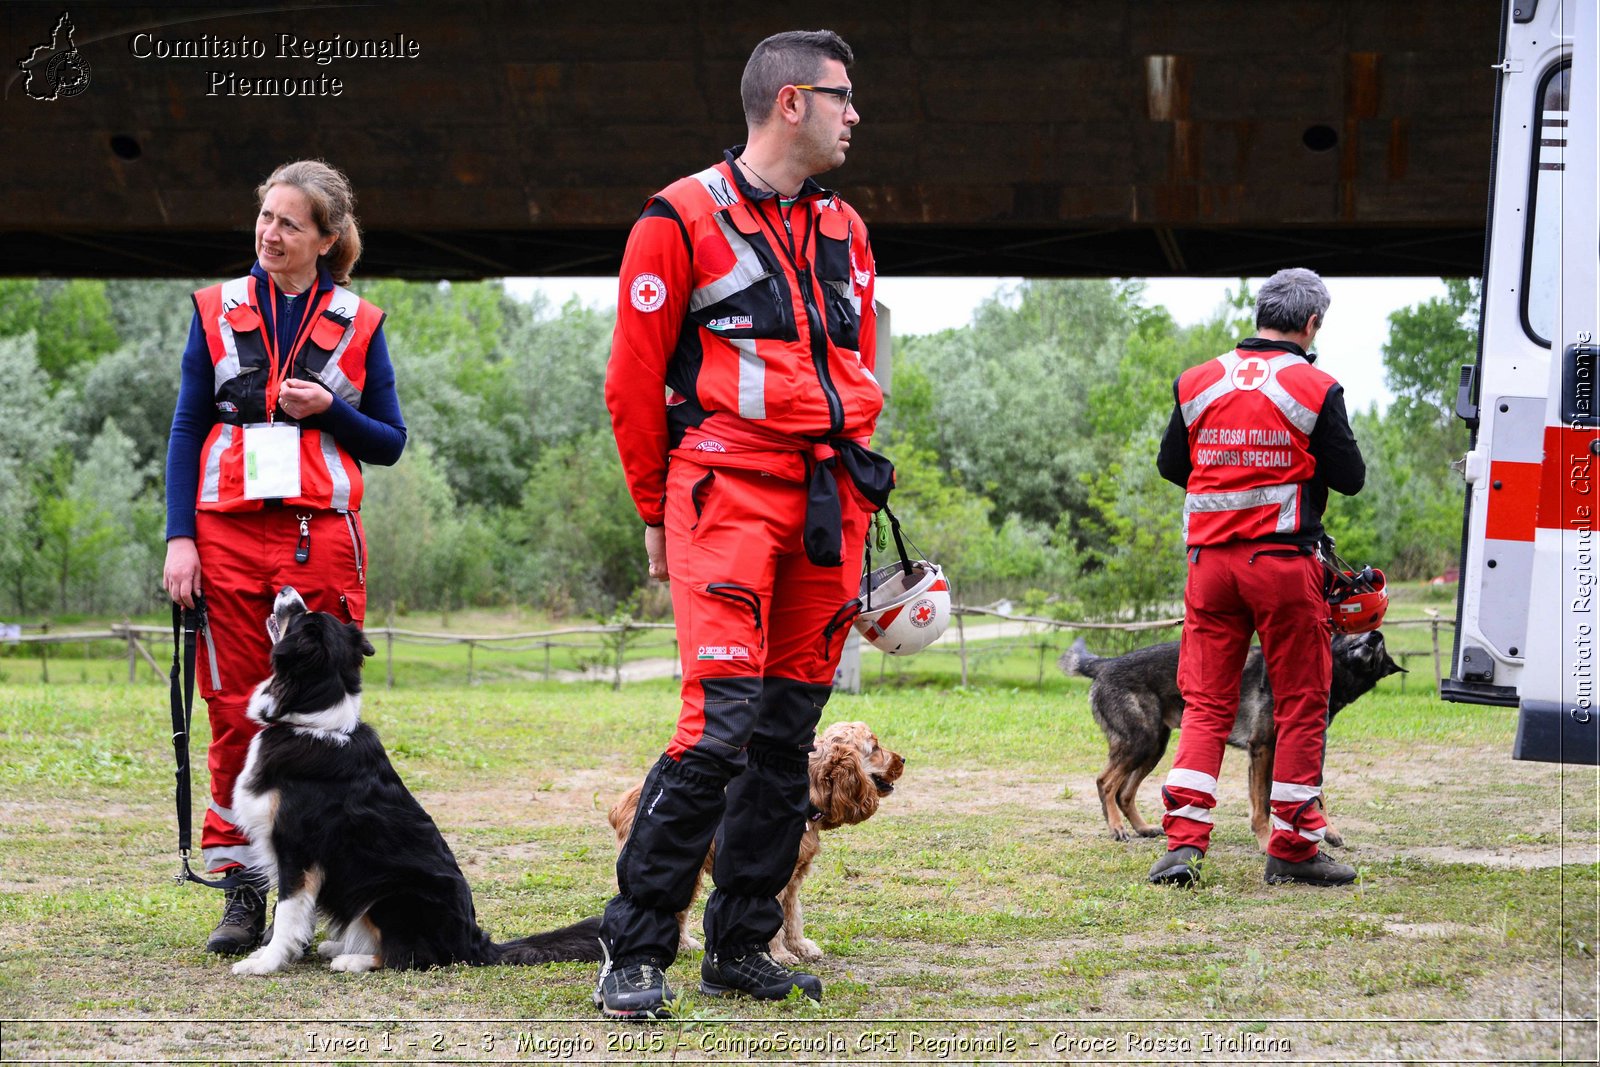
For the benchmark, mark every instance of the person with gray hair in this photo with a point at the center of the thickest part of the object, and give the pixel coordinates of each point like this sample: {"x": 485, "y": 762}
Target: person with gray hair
{"x": 1257, "y": 438}
{"x": 1289, "y": 299}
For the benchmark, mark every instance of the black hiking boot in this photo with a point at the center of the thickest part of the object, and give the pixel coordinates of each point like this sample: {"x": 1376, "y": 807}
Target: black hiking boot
{"x": 632, "y": 990}
{"x": 244, "y": 914}
{"x": 1181, "y": 866}
{"x": 756, "y": 974}
{"x": 1318, "y": 870}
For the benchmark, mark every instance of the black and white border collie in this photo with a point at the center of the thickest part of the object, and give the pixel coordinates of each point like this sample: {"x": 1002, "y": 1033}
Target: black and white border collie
{"x": 332, "y": 823}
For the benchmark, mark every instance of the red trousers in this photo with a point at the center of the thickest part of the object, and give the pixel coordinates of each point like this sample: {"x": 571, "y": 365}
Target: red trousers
{"x": 747, "y": 601}
{"x": 1235, "y": 590}
{"x": 760, "y": 632}
{"x": 245, "y": 558}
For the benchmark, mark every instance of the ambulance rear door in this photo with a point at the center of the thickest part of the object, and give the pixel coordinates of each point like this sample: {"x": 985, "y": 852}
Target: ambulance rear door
{"x": 1526, "y": 619}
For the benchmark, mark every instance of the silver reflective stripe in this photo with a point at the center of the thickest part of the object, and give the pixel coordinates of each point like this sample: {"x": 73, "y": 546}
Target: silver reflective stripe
{"x": 333, "y": 376}
{"x": 344, "y": 303}
{"x": 215, "y": 858}
{"x": 1220, "y": 387}
{"x": 227, "y": 368}
{"x": 226, "y": 813}
{"x": 1289, "y": 791}
{"x": 355, "y": 546}
{"x": 1198, "y": 781}
{"x": 1300, "y": 417}
{"x": 717, "y": 184}
{"x": 752, "y": 379}
{"x": 1286, "y": 497}
{"x": 340, "y": 499}
{"x": 211, "y": 658}
{"x": 234, "y": 293}
{"x": 1318, "y": 834}
{"x": 747, "y": 271}
{"x": 1191, "y": 811}
{"x": 211, "y": 473}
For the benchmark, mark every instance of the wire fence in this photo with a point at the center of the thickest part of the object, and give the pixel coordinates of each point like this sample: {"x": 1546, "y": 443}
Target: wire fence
{"x": 587, "y": 653}
{"x": 1043, "y": 638}
{"x": 980, "y": 639}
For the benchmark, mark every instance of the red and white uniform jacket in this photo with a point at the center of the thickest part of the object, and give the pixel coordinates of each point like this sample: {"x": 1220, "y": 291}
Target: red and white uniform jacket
{"x": 745, "y": 331}
{"x": 1266, "y": 436}
{"x": 335, "y": 354}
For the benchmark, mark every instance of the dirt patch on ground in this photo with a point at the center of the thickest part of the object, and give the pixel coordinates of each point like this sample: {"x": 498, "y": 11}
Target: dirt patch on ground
{"x": 574, "y": 796}
{"x": 1526, "y": 858}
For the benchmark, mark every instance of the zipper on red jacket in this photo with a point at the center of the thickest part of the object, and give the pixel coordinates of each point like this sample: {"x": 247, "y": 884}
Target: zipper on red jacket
{"x": 817, "y": 325}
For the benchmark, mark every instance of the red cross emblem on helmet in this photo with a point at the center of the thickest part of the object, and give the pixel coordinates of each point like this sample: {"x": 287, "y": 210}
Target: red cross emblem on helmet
{"x": 922, "y": 613}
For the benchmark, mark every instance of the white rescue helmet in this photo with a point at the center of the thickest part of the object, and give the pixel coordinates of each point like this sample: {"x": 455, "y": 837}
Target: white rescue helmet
{"x": 904, "y": 610}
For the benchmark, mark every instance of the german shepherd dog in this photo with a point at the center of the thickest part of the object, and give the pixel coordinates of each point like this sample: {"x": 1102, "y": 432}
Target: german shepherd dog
{"x": 1135, "y": 700}
{"x": 331, "y": 821}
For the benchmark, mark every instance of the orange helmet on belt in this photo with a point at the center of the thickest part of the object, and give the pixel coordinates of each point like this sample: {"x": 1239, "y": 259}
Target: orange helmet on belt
{"x": 1356, "y": 599}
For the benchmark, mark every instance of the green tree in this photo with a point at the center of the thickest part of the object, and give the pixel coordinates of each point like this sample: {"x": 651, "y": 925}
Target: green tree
{"x": 116, "y": 526}
{"x": 75, "y": 326}
{"x": 137, "y": 387}
{"x": 21, "y": 307}
{"x": 33, "y": 434}
{"x": 1128, "y": 552}
{"x": 75, "y": 532}
{"x": 556, "y": 368}
{"x": 1011, "y": 410}
{"x": 153, "y": 313}
{"x": 583, "y": 546}
{"x": 488, "y": 380}
{"x": 1407, "y": 519}
{"x": 1428, "y": 344}
{"x": 415, "y": 557}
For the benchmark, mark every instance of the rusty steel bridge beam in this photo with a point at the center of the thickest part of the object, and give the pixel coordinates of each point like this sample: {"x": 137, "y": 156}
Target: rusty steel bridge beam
{"x": 1036, "y": 137}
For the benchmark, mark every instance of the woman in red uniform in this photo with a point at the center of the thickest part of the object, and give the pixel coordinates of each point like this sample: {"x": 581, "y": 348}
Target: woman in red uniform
{"x": 286, "y": 390}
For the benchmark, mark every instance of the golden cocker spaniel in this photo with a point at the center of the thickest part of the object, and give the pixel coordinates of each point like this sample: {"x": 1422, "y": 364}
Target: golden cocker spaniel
{"x": 850, "y": 774}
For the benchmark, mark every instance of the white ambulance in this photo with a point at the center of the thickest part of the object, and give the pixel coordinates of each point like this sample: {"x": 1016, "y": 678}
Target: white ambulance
{"x": 1527, "y": 632}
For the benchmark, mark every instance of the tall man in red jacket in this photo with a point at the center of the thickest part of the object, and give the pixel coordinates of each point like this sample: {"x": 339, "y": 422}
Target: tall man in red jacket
{"x": 1258, "y": 436}
{"x": 741, "y": 394}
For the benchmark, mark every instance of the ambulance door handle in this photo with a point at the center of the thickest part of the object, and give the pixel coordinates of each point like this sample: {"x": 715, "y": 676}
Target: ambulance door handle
{"x": 1466, "y": 407}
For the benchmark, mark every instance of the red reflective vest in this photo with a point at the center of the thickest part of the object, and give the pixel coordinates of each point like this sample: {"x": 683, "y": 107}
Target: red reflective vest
{"x": 738, "y": 332}
{"x": 335, "y": 352}
{"x": 1249, "y": 415}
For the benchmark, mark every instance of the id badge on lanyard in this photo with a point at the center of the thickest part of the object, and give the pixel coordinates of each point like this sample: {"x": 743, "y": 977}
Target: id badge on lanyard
{"x": 271, "y": 449}
{"x": 271, "y": 461}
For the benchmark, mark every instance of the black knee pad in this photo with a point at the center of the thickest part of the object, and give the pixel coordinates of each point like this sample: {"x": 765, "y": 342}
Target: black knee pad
{"x": 790, "y": 711}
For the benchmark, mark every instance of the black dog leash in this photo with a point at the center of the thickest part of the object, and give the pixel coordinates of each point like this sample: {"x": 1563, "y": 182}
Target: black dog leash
{"x": 187, "y": 625}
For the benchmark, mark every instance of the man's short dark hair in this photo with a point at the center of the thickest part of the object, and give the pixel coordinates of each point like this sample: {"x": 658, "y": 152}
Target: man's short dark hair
{"x": 1289, "y": 298}
{"x": 792, "y": 58}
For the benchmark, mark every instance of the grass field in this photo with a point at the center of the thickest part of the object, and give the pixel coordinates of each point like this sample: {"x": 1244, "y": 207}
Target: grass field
{"x": 983, "y": 914}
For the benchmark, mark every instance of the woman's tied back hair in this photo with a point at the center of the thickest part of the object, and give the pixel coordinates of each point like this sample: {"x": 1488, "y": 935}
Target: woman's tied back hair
{"x": 792, "y": 58}
{"x": 333, "y": 205}
{"x": 1289, "y": 298}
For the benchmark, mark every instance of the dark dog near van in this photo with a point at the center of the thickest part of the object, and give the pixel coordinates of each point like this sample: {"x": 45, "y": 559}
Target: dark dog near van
{"x": 1135, "y": 700}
